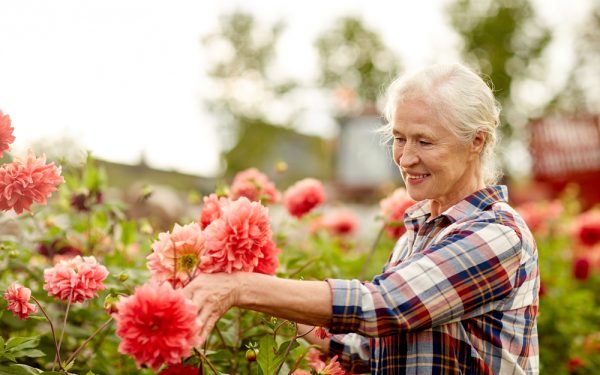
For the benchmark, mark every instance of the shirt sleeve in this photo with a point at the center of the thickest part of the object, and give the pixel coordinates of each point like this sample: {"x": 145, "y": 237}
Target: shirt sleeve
{"x": 353, "y": 352}
{"x": 473, "y": 265}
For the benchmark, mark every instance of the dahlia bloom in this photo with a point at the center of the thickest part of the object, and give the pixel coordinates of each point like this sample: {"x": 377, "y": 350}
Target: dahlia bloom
{"x": 176, "y": 255}
{"x": 322, "y": 333}
{"x": 268, "y": 265}
{"x": 78, "y": 278}
{"x": 539, "y": 216}
{"x": 587, "y": 228}
{"x": 300, "y": 198}
{"x": 157, "y": 325}
{"x": 18, "y": 300}
{"x": 339, "y": 222}
{"x": 581, "y": 268}
{"x": 238, "y": 240}
{"x": 255, "y": 186}
{"x": 23, "y": 182}
{"x": 211, "y": 209}
{"x": 392, "y": 210}
{"x": 332, "y": 368}
{"x": 6, "y": 136}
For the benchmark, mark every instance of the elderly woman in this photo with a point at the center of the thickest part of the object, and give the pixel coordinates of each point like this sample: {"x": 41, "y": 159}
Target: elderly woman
{"x": 459, "y": 294}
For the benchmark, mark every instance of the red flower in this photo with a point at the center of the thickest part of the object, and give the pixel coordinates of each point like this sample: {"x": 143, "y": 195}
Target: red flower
{"x": 303, "y": 196}
{"x": 18, "y": 300}
{"x": 255, "y": 186}
{"x": 322, "y": 333}
{"x": 268, "y": 265}
{"x": 392, "y": 210}
{"x": 581, "y": 268}
{"x": 157, "y": 325}
{"x": 6, "y": 136}
{"x": 23, "y": 182}
{"x": 238, "y": 239}
{"x": 176, "y": 255}
{"x": 587, "y": 228}
{"x": 211, "y": 209}
{"x": 575, "y": 364}
{"x": 180, "y": 369}
{"x": 78, "y": 278}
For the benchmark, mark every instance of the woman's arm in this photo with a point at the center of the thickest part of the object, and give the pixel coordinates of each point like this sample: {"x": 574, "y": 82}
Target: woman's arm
{"x": 306, "y": 302}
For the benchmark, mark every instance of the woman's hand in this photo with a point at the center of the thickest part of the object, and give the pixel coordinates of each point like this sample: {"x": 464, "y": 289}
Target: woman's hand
{"x": 214, "y": 294}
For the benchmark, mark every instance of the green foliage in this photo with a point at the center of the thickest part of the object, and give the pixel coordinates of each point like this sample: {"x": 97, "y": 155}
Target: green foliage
{"x": 505, "y": 41}
{"x": 351, "y": 56}
{"x": 569, "y": 320}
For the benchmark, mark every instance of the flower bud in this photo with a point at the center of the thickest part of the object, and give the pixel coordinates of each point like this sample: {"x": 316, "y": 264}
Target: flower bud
{"x": 251, "y": 355}
{"x": 110, "y": 304}
{"x": 123, "y": 277}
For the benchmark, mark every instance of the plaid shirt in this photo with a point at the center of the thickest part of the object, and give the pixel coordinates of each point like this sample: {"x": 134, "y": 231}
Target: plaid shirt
{"x": 459, "y": 295}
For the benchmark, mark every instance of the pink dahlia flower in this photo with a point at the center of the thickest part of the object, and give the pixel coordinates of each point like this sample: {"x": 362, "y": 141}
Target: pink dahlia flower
{"x": 303, "y": 196}
{"x": 28, "y": 181}
{"x": 332, "y": 368}
{"x": 237, "y": 240}
{"x": 78, "y": 278}
{"x": 6, "y": 136}
{"x": 392, "y": 210}
{"x": 18, "y": 300}
{"x": 255, "y": 186}
{"x": 176, "y": 255}
{"x": 269, "y": 263}
{"x": 539, "y": 216}
{"x": 212, "y": 209}
{"x": 157, "y": 325}
{"x": 339, "y": 222}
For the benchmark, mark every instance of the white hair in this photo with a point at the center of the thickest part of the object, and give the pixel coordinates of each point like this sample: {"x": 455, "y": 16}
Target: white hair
{"x": 465, "y": 104}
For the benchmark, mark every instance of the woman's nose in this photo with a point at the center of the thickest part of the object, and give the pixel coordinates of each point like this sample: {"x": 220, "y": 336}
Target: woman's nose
{"x": 408, "y": 157}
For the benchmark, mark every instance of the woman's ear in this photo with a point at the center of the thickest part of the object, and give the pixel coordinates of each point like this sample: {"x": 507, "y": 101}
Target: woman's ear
{"x": 478, "y": 142}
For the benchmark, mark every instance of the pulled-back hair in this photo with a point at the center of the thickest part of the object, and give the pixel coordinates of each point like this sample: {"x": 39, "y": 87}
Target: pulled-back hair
{"x": 461, "y": 99}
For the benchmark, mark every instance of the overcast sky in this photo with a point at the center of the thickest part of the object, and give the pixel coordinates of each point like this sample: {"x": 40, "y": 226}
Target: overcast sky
{"x": 124, "y": 77}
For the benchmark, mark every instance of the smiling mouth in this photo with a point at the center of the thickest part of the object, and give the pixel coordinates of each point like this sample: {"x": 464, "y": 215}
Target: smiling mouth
{"x": 416, "y": 177}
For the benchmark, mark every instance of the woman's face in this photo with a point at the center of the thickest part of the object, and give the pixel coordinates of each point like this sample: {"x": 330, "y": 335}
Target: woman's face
{"x": 433, "y": 162}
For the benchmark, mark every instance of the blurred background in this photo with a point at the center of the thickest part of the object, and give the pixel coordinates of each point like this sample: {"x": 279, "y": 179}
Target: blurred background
{"x": 188, "y": 93}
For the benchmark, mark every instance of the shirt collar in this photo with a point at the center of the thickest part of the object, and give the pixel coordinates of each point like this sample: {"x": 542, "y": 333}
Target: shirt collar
{"x": 478, "y": 201}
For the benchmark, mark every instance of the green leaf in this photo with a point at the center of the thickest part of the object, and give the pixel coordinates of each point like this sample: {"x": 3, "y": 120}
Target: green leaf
{"x": 19, "y": 370}
{"x": 267, "y": 358}
{"x": 89, "y": 373}
{"x": 9, "y": 356}
{"x": 1, "y": 344}
{"x": 31, "y": 353}
{"x": 15, "y": 344}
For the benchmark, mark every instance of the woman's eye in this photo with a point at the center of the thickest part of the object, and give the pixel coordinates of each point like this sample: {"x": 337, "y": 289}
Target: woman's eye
{"x": 399, "y": 140}
{"x": 424, "y": 143}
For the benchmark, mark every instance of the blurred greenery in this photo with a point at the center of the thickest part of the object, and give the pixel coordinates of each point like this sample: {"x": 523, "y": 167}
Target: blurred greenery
{"x": 355, "y": 58}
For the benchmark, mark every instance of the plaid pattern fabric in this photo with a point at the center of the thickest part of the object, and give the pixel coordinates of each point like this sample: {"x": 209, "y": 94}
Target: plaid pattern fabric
{"x": 459, "y": 295}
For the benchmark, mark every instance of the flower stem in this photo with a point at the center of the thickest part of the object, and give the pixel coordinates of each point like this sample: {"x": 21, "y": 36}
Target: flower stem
{"x": 287, "y": 350}
{"x": 51, "y": 329}
{"x": 204, "y": 359}
{"x": 62, "y": 334}
{"x": 76, "y": 352}
{"x": 371, "y": 252}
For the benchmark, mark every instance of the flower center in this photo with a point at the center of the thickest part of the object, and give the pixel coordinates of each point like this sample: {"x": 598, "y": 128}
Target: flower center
{"x": 188, "y": 262}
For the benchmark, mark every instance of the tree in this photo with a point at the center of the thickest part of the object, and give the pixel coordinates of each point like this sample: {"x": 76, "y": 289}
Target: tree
{"x": 355, "y": 62}
{"x": 581, "y": 92}
{"x": 506, "y": 42}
